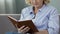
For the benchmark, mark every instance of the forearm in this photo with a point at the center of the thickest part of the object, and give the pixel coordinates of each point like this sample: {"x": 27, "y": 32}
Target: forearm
{"x": 42, "y": 32}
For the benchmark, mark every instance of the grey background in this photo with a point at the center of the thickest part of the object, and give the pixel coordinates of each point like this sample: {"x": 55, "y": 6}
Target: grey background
{"x": 15, "y": 6}
{"x": 6, "y": 25}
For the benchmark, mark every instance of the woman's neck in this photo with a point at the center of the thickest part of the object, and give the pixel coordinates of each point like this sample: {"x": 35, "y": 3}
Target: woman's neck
{"x": 36, "y": 9}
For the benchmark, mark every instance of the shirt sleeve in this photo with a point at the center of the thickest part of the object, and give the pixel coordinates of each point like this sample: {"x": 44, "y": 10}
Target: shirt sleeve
{"x": 53, "y": 24}
{"x": 22, "y": 15}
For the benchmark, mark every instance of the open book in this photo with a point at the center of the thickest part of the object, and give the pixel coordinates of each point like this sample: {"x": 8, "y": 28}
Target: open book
{"x": 28, "y": 23}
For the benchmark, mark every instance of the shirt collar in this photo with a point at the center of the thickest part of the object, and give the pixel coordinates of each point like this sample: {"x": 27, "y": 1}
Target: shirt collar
{"x": 31, "y": 10}
{"x": 42, "y": 8}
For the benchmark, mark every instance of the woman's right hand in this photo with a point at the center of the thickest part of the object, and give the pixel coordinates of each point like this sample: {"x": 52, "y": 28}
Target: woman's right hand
{"x": 23, "y": 29}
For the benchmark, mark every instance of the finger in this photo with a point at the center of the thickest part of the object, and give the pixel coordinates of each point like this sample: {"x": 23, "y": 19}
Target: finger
{"x": 25, "y": 29}
{"x": 21, "y": 28}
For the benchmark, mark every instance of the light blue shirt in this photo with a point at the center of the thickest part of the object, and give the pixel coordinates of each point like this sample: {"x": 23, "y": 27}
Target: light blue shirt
{"x": 45, "y": 19}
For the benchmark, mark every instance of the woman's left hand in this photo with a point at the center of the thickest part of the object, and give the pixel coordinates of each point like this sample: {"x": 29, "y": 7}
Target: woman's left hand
{"x": 23, "y": 29}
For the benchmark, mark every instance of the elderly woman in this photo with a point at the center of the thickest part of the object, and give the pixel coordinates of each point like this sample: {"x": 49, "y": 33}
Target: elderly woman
{"x": 44, "y": 17}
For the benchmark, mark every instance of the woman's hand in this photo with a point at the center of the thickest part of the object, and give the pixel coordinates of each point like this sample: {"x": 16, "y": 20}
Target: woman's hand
{"x": 23, "y": 29}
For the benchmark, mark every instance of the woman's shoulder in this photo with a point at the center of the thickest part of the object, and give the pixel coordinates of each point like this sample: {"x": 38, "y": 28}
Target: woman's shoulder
{"x": 51, "y": 7}
{"x": 26, "y": 8}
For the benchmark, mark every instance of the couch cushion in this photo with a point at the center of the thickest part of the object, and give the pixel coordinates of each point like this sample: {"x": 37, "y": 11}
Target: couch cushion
{"x": 6, "y": 25}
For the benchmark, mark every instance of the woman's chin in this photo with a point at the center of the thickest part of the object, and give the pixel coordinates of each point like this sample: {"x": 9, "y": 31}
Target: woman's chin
{"x": 36, "y": 5}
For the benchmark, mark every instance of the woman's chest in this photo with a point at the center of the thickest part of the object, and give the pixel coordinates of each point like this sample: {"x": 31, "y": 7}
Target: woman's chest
{"x": 39, "y": 19}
